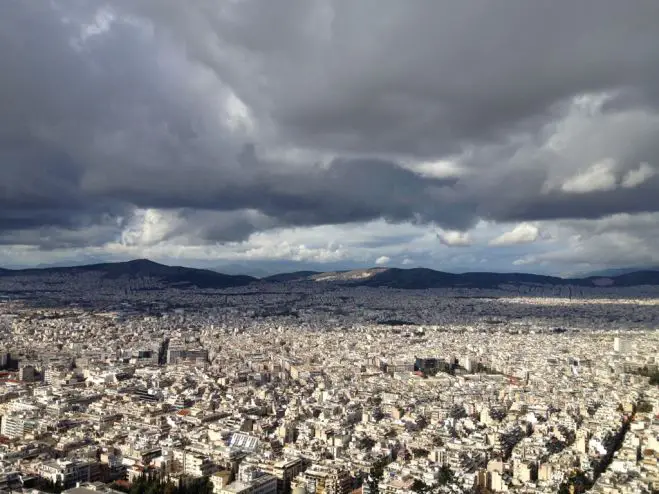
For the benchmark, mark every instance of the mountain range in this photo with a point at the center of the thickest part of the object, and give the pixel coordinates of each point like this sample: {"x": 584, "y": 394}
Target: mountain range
{"x": 415, "y": 278}
{"x": 142, "y": 268}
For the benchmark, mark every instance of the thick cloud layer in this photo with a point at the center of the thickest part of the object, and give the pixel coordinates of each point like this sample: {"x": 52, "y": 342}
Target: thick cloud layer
{"x": 146, "y": 121}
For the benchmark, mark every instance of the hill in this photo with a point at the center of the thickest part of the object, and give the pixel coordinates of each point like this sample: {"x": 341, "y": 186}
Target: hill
{"x": 143, "y": 268}
{"x": 294, "y": 276}
{"x": 428, "y": 278}
{"x": 424, "y": 278}
{"x": 415, "y": 278}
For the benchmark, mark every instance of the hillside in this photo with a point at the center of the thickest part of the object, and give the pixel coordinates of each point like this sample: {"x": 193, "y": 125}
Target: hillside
{"x": 424, "y": 278}
{"x": 143, "y": 268}
{"x": 294, "y": 276}
{"x": 415, "y": 278}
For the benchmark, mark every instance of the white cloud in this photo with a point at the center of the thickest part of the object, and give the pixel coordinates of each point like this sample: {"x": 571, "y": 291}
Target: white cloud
{"x": 453, "y": 238}
{"x": 239, "y": 115}
{"x": 382, "y": 260}
{"x": 148, "y": 227}
{"x": 584, "y": 151}
{"x": 524, "y": 233}
{"x": 524, "y": 261}
{"x": 598, "y": 177}
{"x": 285, "y": 250}
{"x": 621, "y": 240}
{"x": 439, "y": 169}
{"x": 101, "y": 24}
{"x": 407, "y": 261}
{"x": 634, "y": 178}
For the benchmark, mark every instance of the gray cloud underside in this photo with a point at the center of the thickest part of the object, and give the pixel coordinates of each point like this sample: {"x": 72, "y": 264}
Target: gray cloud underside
{"x": 112, "y": 106}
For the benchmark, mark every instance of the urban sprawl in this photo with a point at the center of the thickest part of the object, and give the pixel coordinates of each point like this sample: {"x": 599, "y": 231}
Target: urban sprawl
{"x": 311, "y": 389}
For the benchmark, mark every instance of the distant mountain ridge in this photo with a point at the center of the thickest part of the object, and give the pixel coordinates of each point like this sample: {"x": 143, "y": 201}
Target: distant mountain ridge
{"x": 294, "y": 276}
{"x": 616, "y": 271}
{"x": 424, "y": 278}
{"x": 415, "y": 278}
{"x": 143, "y": 268}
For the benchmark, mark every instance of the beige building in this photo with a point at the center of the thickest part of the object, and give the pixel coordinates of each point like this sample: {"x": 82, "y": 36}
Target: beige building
{"x": 321, "y": 479}
{"x": 250, "y": 481}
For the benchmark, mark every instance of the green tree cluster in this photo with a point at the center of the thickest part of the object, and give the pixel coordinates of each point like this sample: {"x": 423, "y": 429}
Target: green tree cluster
{"x": 155, "y": 485}
{"x": 445, "y": 478}
{"x": 373, "y": 480}
{"x": 49, "y": 486}
{"x": 445, "y": 475}
{"x": 652, "y": 374}
{"x": 420, "y": 452}
{"x": 577, "y": 482}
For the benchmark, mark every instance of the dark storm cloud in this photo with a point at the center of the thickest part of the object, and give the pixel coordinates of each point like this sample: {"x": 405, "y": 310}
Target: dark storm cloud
{"x": 96, "y": 234}
{"x": 360, "y": 190}
{"x": 345, "y": 191}
{"x": 420, "y": 77}
{"x": 587, "y": 206}
{"x": 111, "y": 106}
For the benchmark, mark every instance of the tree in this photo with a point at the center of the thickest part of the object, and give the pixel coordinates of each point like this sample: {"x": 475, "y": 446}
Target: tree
{"x": 652, "y": 374}
{"x": 367, "y": 443}
{"x": 445, "y": 475}
{"x": 419, "y": 486}
{"x": 50, "y": 486}
{"x": 374, "y": 478}
{"x": 578, "y": 482}
{"x": 420, "y": 452}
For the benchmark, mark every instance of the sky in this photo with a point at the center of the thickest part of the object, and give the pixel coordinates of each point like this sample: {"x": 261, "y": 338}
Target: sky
{"x": 262, "y": 135}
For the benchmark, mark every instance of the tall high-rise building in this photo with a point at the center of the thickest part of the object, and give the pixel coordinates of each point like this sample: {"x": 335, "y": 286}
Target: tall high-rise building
{"x": 620, "y": 345}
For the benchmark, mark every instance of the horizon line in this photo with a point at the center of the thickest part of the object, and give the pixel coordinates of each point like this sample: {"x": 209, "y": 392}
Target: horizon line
{"x": 366, "y": 268}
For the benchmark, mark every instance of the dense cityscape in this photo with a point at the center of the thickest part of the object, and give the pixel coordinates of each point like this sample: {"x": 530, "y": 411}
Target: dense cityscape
{"x": 326, "y": 389}
{"x": 329, "y": 247}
